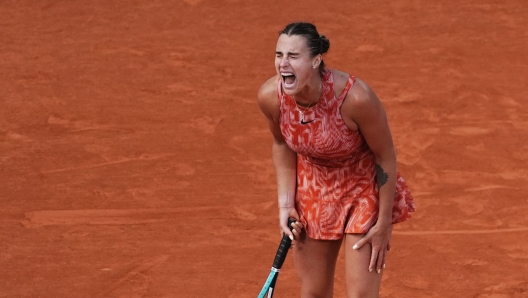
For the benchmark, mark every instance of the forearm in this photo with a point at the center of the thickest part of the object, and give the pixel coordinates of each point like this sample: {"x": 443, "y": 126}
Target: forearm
{"x": 285, "y": 163}
{"x": 386, "y": 175}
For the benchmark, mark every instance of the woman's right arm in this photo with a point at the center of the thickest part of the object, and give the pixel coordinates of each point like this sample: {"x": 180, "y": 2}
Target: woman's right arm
{"x": 284, "y": 159}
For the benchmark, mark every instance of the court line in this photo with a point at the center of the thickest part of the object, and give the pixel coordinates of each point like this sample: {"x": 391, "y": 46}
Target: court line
{"x": 106, "y": 163}
{"x": 483, "y": 122}
{"x": 106, "y": 216}
{"x": 461, "y": 232}
{"x": 142, "y": 216}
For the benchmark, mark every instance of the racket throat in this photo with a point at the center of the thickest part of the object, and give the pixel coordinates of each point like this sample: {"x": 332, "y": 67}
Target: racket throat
{"x": 270, "y": 292}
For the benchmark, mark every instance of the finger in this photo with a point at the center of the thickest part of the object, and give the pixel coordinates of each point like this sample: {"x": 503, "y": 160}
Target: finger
{"x": 296, "y": 234}
{"x": 297, "y": 226}
{"x": 373, "y": 258}
{"x": 384, "y": 263}
{"x": 380, "y": 260}
{"x": 294, "y": 230}
{"x": 360, "y": 243}
{"x": 296, "y": 237}
{"x": 287, "y": 231}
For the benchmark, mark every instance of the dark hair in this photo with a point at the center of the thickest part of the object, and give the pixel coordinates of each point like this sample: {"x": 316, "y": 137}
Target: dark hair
{"x": 318, "y": 44}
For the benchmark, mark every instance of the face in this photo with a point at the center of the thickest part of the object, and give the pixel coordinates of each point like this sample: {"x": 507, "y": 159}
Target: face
{"x": 293, "y": 62}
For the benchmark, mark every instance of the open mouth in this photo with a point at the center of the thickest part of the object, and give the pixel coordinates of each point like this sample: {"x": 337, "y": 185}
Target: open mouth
{"x": 288, "y": 78}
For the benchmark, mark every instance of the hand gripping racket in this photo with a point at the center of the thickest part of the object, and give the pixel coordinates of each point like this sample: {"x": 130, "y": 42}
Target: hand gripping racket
{"x": 280, "y": 256}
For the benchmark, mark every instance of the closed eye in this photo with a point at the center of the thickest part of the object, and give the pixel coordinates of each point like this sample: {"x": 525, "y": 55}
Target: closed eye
{"x": 289, "y": 55}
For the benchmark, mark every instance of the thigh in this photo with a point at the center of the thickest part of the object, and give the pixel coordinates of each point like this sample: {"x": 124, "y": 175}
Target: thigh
{"x": 315, "y": 262}
{"x": 359, "y": 281}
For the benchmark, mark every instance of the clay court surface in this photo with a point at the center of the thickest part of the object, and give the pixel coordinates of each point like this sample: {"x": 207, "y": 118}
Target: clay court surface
{"x": 134, "y": 161}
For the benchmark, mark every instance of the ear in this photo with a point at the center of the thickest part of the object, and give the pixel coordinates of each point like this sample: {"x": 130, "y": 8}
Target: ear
{"x": 316, "y": 61}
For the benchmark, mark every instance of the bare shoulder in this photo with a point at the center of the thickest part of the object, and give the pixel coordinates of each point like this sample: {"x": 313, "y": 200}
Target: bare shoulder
{"x": 267, "y": 98}
{"x": 362, "y": 104}
{"x": 361, "y": 94}
{"x": 268, "y": 88}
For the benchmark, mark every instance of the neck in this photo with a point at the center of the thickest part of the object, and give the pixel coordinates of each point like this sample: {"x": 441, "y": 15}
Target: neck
{"x": 312, "y": 94}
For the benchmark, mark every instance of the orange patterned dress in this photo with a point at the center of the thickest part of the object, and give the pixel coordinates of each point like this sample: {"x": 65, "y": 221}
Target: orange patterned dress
{"x": 337, "y": 191}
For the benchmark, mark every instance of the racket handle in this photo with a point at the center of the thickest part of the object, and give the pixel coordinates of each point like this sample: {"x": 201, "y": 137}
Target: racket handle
{"x": 284, "y": 246}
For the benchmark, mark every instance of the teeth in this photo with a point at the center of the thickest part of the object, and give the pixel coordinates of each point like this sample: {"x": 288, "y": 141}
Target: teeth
{"x": 288, "y": 75}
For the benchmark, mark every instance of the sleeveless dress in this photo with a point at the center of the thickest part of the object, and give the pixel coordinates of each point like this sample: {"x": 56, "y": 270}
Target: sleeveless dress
{"x": 337, "y": 191}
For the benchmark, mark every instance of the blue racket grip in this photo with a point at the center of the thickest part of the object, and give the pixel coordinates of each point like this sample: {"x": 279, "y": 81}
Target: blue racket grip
{"x": 284, "y": 246}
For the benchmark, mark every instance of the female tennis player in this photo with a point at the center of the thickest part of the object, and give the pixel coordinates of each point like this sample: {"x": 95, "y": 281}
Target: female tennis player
{"x": 335, "y": 165}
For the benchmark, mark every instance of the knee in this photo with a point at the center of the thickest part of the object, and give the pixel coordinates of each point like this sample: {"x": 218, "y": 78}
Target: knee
{"x": 310, "y": 291}
{"x": 361, "y": 293}
{"x": 310, "y": 294}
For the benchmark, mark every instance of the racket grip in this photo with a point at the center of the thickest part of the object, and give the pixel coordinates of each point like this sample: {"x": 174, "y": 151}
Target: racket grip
{"x": 284, "y": 246}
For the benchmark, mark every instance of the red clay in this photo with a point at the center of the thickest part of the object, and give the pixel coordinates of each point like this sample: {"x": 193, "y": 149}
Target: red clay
{"x": 134, "y": 161}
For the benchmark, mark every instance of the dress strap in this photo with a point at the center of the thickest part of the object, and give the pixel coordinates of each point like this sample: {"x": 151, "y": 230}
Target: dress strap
{"x": 279, "y": 87}
{"x": 351, "y": 81}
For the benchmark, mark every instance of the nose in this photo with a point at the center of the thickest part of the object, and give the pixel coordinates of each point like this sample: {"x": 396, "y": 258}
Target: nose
{"x": 284, "y": 62}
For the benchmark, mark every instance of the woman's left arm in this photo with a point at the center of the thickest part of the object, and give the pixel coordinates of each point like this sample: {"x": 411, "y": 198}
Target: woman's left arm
{"x": 366, "y": 110}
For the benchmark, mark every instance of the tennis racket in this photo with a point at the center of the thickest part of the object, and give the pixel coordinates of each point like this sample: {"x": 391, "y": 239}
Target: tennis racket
{"x": 280, "y": 256}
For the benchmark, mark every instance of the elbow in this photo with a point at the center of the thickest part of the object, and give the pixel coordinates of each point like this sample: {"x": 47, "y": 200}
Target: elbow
{"x": 386, "y": 157}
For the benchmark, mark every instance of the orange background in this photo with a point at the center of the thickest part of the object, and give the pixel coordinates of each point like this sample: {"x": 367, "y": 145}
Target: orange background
{"x": 134, "y": 161}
